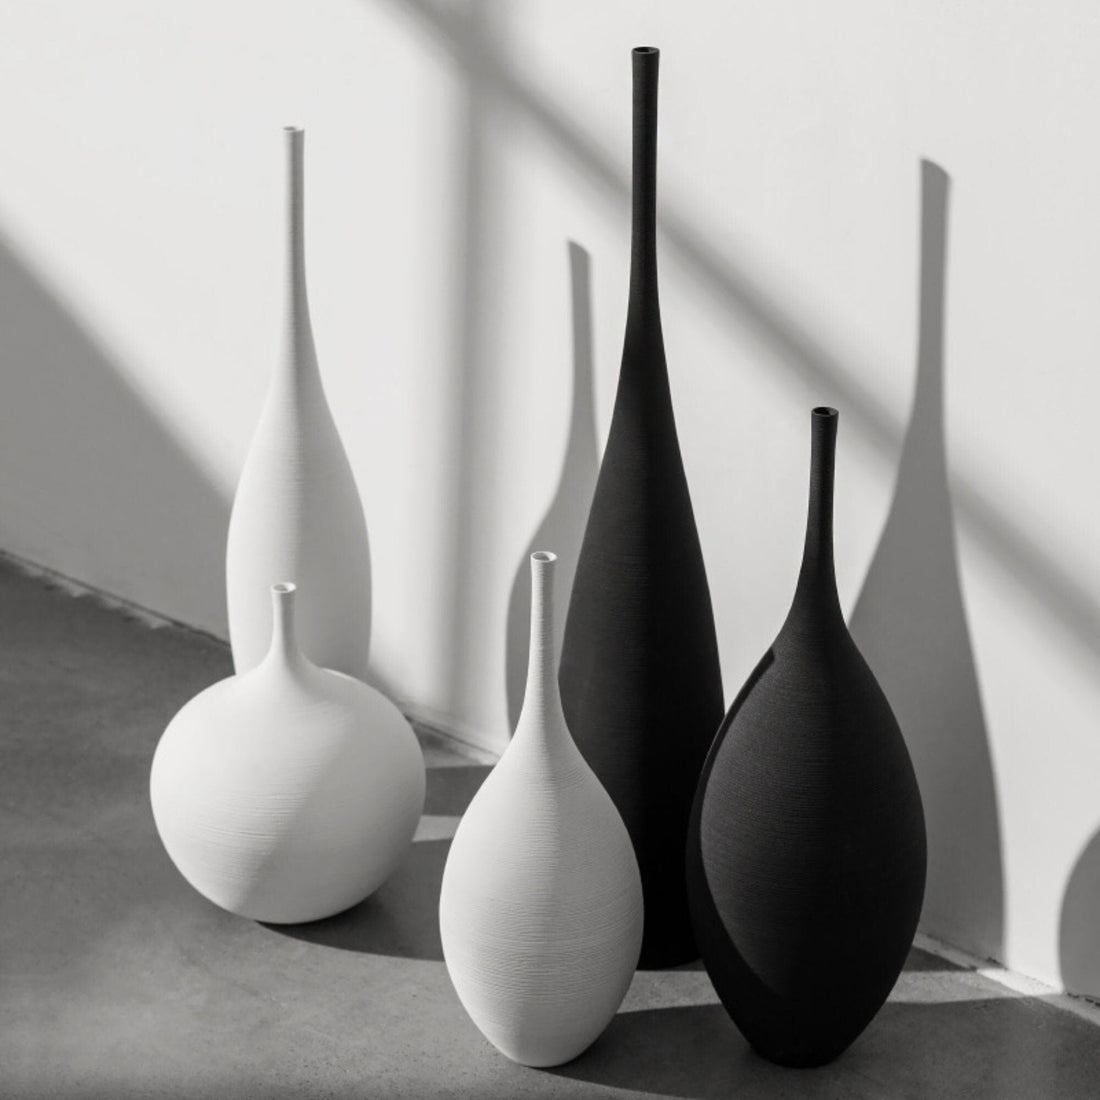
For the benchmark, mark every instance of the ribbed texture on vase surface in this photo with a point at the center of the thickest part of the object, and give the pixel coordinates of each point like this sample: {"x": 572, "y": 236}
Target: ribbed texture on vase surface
{"x": 806, "y": 854}
{"x": 640, "y": 678}
{"x": 289, "y": 792}
{"x": 540, "y": 910}
{"x": 297, "y": 513}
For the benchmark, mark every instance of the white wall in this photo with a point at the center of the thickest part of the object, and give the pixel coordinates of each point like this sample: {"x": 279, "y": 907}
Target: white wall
{"x": 453, "y": 151}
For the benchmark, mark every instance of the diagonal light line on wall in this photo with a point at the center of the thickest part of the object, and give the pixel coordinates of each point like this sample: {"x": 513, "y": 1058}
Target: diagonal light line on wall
{"x": 1068, "y": 601}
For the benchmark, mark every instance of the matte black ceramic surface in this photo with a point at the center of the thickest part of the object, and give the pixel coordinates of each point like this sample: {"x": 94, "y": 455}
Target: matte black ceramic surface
{"x": 640, "y": 679}
{"x": 806, "y": 852}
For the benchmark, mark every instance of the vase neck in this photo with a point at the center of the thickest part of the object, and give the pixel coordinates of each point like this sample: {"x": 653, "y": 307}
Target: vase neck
{"x": 643, "y": 315}
{"x": 817, "y": 578}
{"x": 300, "y": 357}
{"x": 542, "y": 712}
{"x": 284, "y": 651}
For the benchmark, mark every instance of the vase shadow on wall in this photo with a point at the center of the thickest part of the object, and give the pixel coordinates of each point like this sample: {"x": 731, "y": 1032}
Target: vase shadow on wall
{"x": 1079, "y": 928}
{"x": 401, "y": 918}
{"x": 470, "y": 442}
{"x": 729, "y": 283}
{"x": 99, "y": 466}
{"x": 910, "y": 623}
{"x": 562, "y": 527}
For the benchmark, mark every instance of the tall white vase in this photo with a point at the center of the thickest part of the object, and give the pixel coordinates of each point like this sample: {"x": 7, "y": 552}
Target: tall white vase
{"x": 297, "y": 512}
{"x": 290, "y": 792}
{"x": 541, "y": 904}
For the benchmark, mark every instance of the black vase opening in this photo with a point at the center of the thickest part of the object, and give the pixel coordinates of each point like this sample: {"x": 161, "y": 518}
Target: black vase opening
{"x": 640, "y": 678}
{"x": 806, "y": 849}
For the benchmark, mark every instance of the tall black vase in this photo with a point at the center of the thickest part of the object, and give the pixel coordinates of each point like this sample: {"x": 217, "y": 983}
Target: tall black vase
{"x": 806, "y": 851}
{"x": 640, "y": 679}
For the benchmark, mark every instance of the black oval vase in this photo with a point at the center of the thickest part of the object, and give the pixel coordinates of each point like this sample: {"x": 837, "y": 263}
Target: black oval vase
{"x": 640, "y": 679}
{"x": 806, "y": 850}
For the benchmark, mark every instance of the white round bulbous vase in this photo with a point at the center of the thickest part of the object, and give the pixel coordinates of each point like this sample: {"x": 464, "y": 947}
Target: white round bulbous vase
{"x": 297, "y": 512}
{"x": 290, "y": 792}
{"x": 540, "y": 910}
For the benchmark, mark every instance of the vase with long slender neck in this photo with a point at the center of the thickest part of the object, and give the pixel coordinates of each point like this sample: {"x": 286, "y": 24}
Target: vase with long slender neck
{"x": 540, "y": 910}
{"x": 289, "y": 792}
{"x": 640, "y": 678}
{"x": 297, "y": 512}
{"x": 806, "y": 851}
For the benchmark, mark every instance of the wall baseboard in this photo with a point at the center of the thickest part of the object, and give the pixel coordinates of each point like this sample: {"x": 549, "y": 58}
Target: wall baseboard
{"x": 81, "y": 589}
{"x": 466, "y": 741}
{"x": 1018, "y": 985}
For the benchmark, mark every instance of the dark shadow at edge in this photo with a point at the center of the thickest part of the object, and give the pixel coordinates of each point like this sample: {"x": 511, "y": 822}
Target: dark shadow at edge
{"x": 910, "y": 623}
{"x": 562, "y": 526}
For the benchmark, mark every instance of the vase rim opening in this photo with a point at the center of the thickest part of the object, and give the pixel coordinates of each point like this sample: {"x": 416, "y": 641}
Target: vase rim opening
{"x": 825, "y": 412}
{"x": 293, "y": 130}
{"x": 646, "y": 49}
{"x": 284, "y": 588}
{"x": 544, "y": 556}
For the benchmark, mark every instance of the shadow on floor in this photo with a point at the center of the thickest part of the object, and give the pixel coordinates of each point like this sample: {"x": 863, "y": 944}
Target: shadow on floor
{"x": 925, "y": 962}
{"x": 998, "y": 1047}
{"x": 401, "y": 918}
{"x": 910, "y": 623}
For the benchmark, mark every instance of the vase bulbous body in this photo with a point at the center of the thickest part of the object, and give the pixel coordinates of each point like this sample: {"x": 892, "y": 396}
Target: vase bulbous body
{"x": 297, "y": 512}
{"x": 640, "y": 677}
{"x": 289, "y": 792}
{"x": 806, "y": 852}
{"x": 540, "y": 911}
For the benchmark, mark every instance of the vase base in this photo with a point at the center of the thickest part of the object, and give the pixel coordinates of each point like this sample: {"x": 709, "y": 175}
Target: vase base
{"x": 793, "y": 1059}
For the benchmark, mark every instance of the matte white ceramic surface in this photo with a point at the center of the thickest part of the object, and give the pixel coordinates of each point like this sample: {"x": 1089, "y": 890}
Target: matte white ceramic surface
{"x": 289, "y": 792}
{"x": 297, "y": 512}
{"x": 541, "y": 905}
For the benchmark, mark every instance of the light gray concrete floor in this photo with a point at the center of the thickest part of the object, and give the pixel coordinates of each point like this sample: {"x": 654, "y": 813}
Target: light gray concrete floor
{"x": 117, "y": 980}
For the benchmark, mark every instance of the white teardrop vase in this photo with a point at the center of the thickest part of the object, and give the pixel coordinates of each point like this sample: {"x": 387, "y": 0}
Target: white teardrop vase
{"x": 540, "y": 910}
{"x": 290, "y": 792}
{"x": 297, "y": 512}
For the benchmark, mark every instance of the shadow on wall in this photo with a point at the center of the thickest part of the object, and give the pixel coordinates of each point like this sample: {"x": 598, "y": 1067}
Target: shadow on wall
{"x": 471, "y": 449}
{"x": 562, "y": 528}
{"x": 732, "y": 288}
{"x": 94, "y": 485}
{"x": 1079, "y": 933}
{"x": 910, "y": 623}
